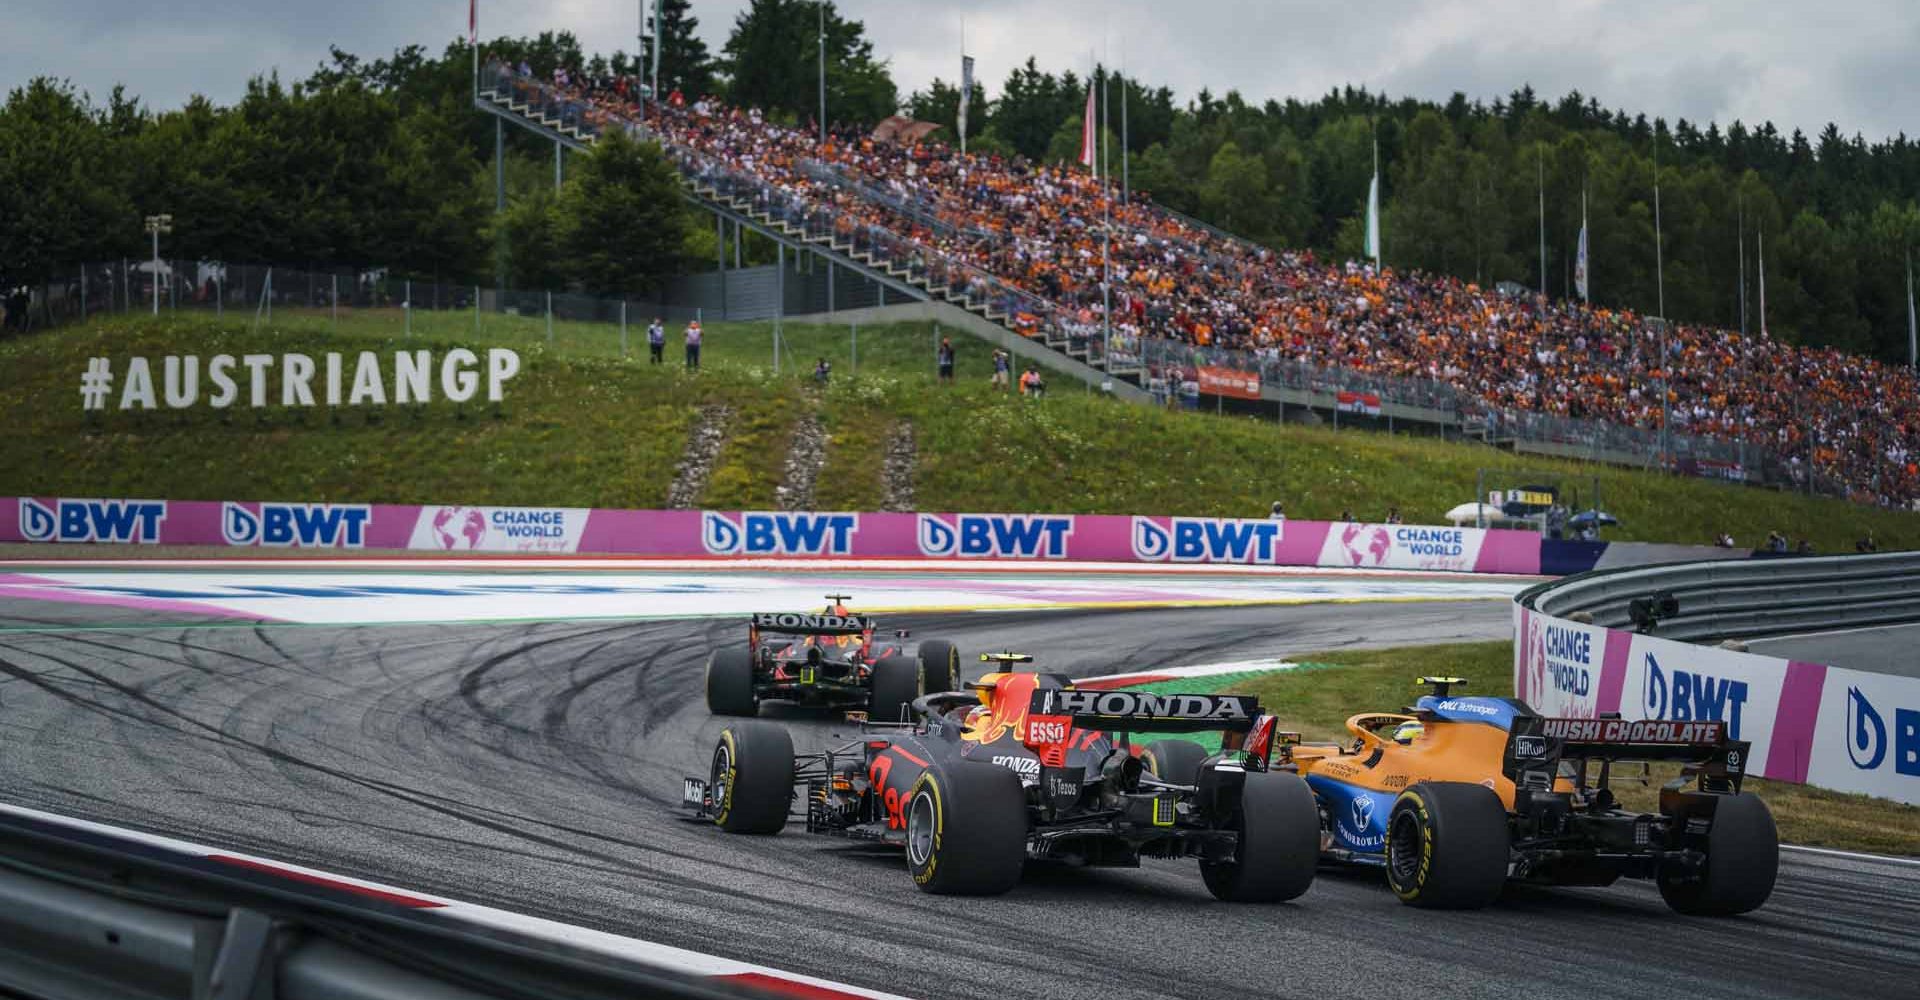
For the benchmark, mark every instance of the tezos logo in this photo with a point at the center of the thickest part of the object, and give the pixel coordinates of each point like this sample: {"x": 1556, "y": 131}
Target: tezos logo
{"x": 984, "y": 536}
{"x": 92, "y": 520}
{"x": 778, "y": 534}
{"x": 1206, "y": 540}
{"x": 1692, "y": 697}
{"x": 302, "y": 525}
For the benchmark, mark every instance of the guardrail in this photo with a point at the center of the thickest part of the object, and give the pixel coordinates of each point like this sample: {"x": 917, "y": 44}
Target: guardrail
{"x": 86, "y": 912}
{"x": 1749, "y": 598}
{"x": 1849, "y": 730}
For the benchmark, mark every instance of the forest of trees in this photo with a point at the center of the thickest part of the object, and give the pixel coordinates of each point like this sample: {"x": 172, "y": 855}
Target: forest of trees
{"x": 385, "y": 162}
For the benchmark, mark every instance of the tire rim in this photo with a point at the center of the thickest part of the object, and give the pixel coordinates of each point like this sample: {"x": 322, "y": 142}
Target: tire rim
{"x": 920, "y": 824}
{"x": 719, "y": 777}
{"x": 1403, "y": 847}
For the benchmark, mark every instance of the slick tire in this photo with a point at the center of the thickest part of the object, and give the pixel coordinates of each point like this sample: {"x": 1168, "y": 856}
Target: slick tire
{"x": 1279, "y": 846}
{"x": 730, "y": 682}
{"x": 940, "y": 662}
{"x": 897, "y": 680}
{"x": 966, "y": 830}
{"x": 1177, "y": 761}
{"x": 1447, "y": 846}
{"x": 751, "y": 778}
{"x": 1743, "y": 858}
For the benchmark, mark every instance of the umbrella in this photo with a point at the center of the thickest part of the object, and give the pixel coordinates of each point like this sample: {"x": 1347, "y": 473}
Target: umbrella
{"x": 1593, "y": 517}
{"x": 1475, "y": 513}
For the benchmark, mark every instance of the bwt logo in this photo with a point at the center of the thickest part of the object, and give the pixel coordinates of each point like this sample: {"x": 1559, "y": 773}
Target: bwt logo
{"x": 92, "y": 520}
{"x": 1207, "y": 540}
{"x": 980, "y": 536}
{"x": 297, "y": 525}
{"x": 1692, "y": 697}
{"x": 776, "y": 534}
{"x": 1867, "y": 736}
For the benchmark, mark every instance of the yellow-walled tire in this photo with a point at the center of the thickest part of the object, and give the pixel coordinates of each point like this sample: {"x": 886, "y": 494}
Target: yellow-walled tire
{"x": 940, "y": 664}
{"x": 966, "y": 830}
{"x": 1448, "y": 844}
{"x": 751, "y": 778}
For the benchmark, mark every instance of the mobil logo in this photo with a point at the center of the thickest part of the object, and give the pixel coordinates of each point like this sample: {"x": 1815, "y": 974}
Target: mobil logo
{"x": 1688, "y": 696}
{"x": 1207, "y": 540}
{"x": 135, "y": 521}
{"x": 296, "y": 525}
{"x": 1867, "y": 737}
{"x": 983, "y": 536}
{"x": 762, "y": 533}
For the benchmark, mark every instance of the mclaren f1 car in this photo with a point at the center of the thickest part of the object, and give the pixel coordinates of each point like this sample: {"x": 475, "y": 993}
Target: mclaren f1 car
{"x": 1025, "y": 766}
{"x": 1459, "y": 795}
{"x": 832, "y": 658}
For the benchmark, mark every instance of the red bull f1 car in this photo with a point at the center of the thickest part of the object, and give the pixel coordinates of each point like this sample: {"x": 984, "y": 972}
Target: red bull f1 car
{"x": 831, "y": 658}
{"x": 1023, "y": 767}
{"x": 1461, "y": 794}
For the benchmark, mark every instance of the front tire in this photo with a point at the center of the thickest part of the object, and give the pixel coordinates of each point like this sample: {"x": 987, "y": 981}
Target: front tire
{"x": 730, "y": 682}
{"x": 897, "y": 680}
{"x": 1176, "y": 761}
{"x": 751, "y": 778}
{"x": 1743, "y": 859}
{"x": 1279, "y": 845}
{"x": 966, "y": 830}
{"x": 940, "y": 662}
{"x": 1447, "y": 846}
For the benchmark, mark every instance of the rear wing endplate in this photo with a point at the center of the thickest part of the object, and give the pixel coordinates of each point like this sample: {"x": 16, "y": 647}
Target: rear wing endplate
{"x": 1703, "y": 745}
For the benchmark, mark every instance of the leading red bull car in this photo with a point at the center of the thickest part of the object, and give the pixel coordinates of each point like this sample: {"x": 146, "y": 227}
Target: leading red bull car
{"x": 1025, "y": 766}
{"x": 834, "y": 658}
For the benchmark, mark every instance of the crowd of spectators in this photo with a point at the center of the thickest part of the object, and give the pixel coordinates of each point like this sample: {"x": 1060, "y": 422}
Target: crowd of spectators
{"x": 1074, "y": 246}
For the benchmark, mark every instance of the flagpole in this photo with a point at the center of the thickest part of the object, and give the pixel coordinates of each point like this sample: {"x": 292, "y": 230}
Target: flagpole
{"x": 965, "y": 86}
{"x": 1125, "y": 186}
{"x": 1106, "y": 235}
{"x": 1743, "y": 263}
{"x": 821, "y": 7}
{"x": 1913, "y": 329}
{"x": 1660, "y": 282}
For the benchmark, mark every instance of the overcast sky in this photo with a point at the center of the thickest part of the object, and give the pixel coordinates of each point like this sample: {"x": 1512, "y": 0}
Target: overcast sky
{"x": 1797, "y": 62}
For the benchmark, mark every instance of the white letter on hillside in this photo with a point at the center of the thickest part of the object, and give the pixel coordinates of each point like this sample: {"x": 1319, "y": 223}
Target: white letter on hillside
{"x": 223, "y": 386}
{"x": 411, "y": 381}
{"x": 457, "y": 381}
{"x": 333, "y": 378}
{"x": 182, "y": 392}
{"x": 138, "y": 388}
{"x": 294, "y": 376}
{"x": 257, "y": 365}
{"x": 366, "y": 381}
{"x": 502, "y": 365}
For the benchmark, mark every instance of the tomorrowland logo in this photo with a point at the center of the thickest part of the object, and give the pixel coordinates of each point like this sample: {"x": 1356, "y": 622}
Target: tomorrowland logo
{"x": 1362, "y": 813}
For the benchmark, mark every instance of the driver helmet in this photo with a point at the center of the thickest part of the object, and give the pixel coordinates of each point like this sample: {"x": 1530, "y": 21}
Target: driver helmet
{"x": 977, "y": 717}
{"x": 1409, "y": 731}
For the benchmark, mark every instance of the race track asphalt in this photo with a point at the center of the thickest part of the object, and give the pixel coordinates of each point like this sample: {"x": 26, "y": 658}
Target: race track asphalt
{"x": 536, "y": 767}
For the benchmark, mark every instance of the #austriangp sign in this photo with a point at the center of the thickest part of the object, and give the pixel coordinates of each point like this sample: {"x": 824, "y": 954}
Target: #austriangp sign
{"x": 294, "y": 380}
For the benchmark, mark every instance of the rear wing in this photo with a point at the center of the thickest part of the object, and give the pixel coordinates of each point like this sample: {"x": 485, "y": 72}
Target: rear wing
{"x": 789, "y": 623}
{"x": 1133, "y": 711}
{"x": 1539, "y": 743}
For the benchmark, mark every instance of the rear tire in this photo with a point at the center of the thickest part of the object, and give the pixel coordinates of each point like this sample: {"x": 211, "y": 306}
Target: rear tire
{"x": 1279, "y": 844}
{"x": 1447, "y": 846}
{"x": 897, "y": 680}
{"x": 1743, "y": 859}
{"x": 730, "y": 682}
{"x": 966, "y": 830}
{"x": 940, "y": 662}
{"x": 751, "y": 778}
{"x": 1177, "y": 761}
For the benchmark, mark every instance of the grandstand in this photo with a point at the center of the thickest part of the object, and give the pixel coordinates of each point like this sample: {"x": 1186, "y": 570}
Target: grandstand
{"x": 1017, "y": 244}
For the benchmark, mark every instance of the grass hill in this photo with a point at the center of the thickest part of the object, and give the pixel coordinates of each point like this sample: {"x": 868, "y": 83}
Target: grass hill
{"x": 583, "y": 425}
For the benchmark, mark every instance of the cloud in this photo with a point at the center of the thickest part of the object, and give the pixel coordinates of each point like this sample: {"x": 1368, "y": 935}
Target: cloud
{"x": 1798, "y": 64}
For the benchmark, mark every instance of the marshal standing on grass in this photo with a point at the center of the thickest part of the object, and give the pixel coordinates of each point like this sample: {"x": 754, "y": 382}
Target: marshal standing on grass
{"x": 945, "y": 358}
{"x": 693, "y": 344}
{"x": 656, "y": 341}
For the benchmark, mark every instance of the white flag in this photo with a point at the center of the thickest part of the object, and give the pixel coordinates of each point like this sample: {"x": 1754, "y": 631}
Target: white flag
{"x": 1580, "y": 255}
{"x": 1373, "y": 220}
{"x": 966, "y": 91}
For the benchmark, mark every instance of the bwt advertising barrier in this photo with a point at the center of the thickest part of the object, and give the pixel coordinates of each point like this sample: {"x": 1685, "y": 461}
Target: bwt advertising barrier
{"x": 682, "y": 533}
{"x": 1847, "y": 730}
